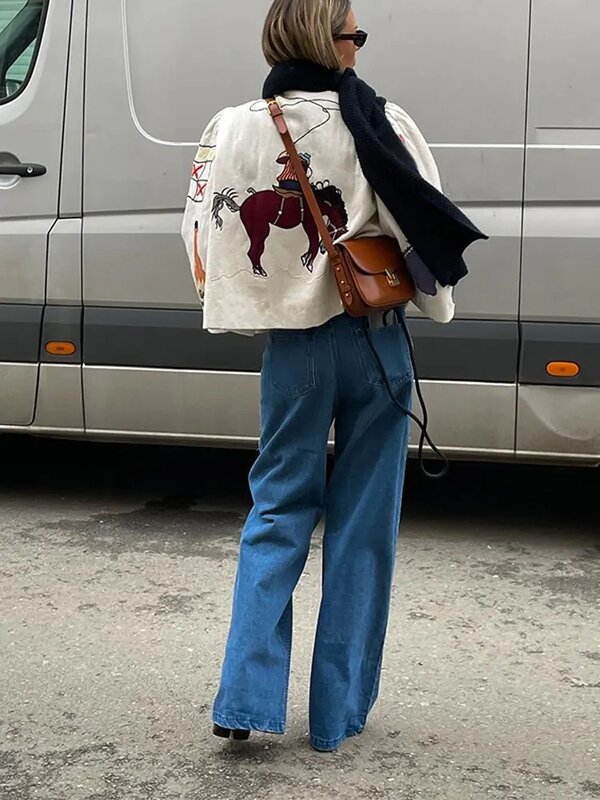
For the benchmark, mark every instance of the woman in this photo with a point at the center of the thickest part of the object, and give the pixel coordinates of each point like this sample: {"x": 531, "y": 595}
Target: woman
{"x": 259, "y": 267}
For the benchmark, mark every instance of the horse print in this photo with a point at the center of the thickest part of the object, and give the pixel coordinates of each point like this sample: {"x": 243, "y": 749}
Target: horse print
{"x": 284, "y": 207}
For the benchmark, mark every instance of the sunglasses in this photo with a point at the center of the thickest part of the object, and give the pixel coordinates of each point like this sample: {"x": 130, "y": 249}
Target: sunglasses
{"x": 358, "y": 37}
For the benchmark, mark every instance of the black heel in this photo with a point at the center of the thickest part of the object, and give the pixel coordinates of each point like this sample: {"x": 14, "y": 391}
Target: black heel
{"x": 226, "y": 733}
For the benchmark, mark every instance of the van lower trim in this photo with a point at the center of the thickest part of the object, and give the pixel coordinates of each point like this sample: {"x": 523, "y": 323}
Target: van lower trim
{"x": 20, "y": 327}
{"x": 469, "y": 350}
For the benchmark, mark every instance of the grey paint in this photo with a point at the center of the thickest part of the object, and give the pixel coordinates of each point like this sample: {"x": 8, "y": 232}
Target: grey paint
{"x": 72, "y": 156}
{"x": 61, "y": 324}
{"x": 559, "y": 421}
{"x": 18, "y": 383}
{"x": 143, "y": 403}
{"x": 454, "y": 101}
{"x": 23, "y": 249}
{"x": 20, "y": 333}
{"x": 161, "y": 339}
{"x": 64, "y": 263}
{"x": 561, "y": 279}
{"x": 561, "y": 253}
{"x": 60, "y": 398}
{"x": 470, "y": 173}
{"x": 542, "y": 343}
{"x": 564, "y": 91}
{"x": 466, "y": 350}
{"x": 469, "y": 419}
{"x": 147, "y": 266}
{"x": 164, "y": 339}
{"x": 466, "y": 418}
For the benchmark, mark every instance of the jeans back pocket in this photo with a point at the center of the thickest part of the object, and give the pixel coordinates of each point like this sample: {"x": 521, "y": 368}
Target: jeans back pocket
{"x": 289, "y": 363}
{"x": 391, "y": 346}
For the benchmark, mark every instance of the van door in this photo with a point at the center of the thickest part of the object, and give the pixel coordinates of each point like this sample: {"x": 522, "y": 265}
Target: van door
{"x": 460, "y": 69}
{"x": 33, "y": 59}
{"x": 559, "y": 407}
{"x": 149, "y": 369}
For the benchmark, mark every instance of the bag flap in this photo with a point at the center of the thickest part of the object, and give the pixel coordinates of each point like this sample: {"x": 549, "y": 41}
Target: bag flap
{"x": 375, "y": 255}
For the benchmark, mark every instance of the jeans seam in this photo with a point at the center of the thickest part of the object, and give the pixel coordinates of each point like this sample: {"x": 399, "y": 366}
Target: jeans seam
{"x": 335, "y": 356}
{"x": 375, "y": 676}
{"x": 287, "y": 649}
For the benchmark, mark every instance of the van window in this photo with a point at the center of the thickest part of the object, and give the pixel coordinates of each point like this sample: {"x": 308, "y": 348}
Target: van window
{"x": 21, "y": 23}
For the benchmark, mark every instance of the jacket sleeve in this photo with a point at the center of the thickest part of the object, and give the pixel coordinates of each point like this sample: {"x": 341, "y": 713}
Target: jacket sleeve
{"x": 197, "y": 216}
{"x": 434, "y": 300}
{"x": 414, "y": 141}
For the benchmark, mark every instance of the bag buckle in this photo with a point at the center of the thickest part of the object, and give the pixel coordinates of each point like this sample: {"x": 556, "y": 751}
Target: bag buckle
{"x": 392, "y": 278}
{"x": 277, "y": 114}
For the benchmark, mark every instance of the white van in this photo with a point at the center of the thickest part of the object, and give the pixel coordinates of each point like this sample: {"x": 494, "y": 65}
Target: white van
{"x": 101, "y": 104}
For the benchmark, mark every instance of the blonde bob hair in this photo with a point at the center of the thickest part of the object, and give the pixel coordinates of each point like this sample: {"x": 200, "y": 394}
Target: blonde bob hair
{"x": 305, "y": 30}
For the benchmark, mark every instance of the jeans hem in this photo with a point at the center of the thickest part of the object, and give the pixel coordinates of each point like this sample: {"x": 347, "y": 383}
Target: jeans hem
{"x": 330, "y": 745}
{"x": 243, "y": 722}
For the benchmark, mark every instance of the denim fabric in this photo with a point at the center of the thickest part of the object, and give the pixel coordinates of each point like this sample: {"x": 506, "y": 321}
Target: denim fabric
{"x": 310, "y": 379}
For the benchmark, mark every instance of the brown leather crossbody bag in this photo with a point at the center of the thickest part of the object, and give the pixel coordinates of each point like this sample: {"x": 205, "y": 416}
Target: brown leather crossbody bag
{"x": 371, "y": 272}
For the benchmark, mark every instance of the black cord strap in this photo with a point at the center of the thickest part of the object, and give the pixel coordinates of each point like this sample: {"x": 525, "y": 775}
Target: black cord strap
{"x": 425, "y": 438}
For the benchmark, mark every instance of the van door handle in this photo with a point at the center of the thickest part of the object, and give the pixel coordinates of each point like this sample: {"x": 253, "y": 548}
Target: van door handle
{"x": 23, "y": 170}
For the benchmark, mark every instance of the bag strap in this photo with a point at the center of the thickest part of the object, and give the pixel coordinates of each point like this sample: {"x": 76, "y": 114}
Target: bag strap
{"x": 336, "y": 260}
{"x": 277, "y": 114}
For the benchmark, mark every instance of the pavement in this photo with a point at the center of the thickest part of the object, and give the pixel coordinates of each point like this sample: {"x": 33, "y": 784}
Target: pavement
{"x": 116, "y": 569}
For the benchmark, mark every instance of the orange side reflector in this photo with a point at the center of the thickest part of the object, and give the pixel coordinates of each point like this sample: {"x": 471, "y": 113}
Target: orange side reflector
{"x": 61, "y": 348}
{"x": 563, "y": 369}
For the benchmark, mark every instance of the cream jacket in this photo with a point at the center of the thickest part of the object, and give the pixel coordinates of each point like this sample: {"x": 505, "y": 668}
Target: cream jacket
{"x": 256, "y": 259}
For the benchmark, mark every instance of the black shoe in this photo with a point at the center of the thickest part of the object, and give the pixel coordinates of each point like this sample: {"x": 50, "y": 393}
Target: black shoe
{"x": 226, "y": 733}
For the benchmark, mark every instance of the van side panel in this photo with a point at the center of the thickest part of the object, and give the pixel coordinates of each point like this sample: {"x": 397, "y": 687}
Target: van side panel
{"x": 164, "y": 70}
{"x": 31, "y": 128}
{"x": 560, "y": 305}
{"x": 561, "y": 274}
{"x": 460, "y": 70}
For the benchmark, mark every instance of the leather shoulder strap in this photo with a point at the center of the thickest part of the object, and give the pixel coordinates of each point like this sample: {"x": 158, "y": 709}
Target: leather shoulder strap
{"x": 279, "y": 120}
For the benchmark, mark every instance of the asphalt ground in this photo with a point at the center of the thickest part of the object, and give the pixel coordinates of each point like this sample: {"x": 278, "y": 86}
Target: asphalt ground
{"x": 116, "y": 569}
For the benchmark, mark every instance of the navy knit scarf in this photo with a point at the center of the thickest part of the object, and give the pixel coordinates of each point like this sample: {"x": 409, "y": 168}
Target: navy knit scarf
{"x": 437, "y": 230}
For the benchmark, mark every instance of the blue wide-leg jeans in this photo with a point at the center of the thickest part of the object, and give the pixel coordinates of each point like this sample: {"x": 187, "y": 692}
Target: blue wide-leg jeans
{"x": 311, "y": 379}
